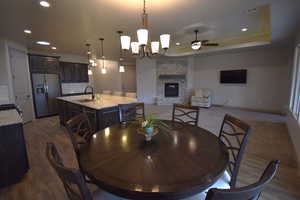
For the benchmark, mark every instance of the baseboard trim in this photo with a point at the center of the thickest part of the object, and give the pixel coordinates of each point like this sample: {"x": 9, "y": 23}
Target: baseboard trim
{"x": 253, "y": 109}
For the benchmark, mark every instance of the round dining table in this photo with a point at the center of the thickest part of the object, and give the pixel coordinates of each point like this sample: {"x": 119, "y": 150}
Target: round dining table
{"x": 178, "y": 162}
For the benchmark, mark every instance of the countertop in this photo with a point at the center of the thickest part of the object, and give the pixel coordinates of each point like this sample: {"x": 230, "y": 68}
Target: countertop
{"x": 101, "y": 101}
{"x": 9, "y": 117}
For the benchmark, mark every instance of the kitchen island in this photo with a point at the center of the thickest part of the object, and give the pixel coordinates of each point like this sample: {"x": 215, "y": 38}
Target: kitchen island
{"x": 102, "y": 111}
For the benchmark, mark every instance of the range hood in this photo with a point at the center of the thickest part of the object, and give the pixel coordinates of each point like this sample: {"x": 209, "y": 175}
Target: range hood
{"x": 171, "y": 76}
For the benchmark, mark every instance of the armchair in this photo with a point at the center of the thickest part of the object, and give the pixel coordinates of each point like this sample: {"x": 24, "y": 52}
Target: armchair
{"x": 202, "y": 98}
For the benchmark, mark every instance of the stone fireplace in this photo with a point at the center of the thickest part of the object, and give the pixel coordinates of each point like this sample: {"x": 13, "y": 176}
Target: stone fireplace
{"x": 171, "y": 82}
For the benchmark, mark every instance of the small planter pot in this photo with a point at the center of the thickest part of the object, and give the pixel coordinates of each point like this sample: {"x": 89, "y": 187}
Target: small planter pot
{"x": 149, "y": 133}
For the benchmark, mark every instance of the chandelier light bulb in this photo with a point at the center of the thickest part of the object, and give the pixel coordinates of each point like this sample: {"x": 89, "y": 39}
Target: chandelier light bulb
{"x": 142, "y": 36}
{"x": 165, "y": 41}
{"x": 135, "y": 48}
{"x": 90, "y": 72}
{"x": 155, "y": 47}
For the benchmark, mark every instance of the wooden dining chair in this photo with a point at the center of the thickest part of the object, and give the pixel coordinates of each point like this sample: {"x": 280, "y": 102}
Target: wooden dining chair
{"x": 73, "y": 180}
{"x": 80, "y": 131}
{"x": 185, "y": 114}
{"x": 132, "y": 112}
{"x": 251, "y": 192}
{"x": 234, "y": 133}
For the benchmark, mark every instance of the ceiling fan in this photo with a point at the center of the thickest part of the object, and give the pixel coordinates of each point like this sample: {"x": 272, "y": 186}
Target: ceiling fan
{"x": 197, "y": 44}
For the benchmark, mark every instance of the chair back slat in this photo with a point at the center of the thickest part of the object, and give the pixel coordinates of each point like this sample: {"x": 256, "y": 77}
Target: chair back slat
{"x": 72, "y": 179}
{"x": 80, "y": 131}
{"x": 185, "y": 114}
{"x": 234, "y": 133}
{"x": 251, "y": 192}
{"x": 132, "y": 112}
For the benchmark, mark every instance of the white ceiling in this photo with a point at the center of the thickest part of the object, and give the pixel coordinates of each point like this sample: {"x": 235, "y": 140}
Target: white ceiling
{"x": 70, "y": 24}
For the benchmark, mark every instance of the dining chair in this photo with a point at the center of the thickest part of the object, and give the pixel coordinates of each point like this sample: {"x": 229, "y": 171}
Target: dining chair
{"x": 73, "y": 180}
{"x": 251, "y": 192}
{"x": 234, "y": 133}
{"x": 117, "y": 93}
{"x": 185, "y": 114}
{"x": 108, "y": 92}
{"x": 132, "y": 112}
{"x": 79, "y": 130}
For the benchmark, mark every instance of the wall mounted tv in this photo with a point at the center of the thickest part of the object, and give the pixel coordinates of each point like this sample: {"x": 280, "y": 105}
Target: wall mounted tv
{"x": 233, "y": 76}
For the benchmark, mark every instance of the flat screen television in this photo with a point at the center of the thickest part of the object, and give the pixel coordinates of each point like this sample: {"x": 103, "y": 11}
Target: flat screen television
{"x": 233, "y": 76}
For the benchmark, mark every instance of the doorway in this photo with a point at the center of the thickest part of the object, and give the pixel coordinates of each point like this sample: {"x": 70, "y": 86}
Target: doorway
{"x": 21, "y": 82}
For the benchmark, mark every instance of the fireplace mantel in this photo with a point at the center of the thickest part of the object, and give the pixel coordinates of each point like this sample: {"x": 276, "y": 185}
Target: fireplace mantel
{"x": 172, "y": 76}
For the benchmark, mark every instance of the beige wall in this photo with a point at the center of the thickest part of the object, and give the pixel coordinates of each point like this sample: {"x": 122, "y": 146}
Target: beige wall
{"x": 113, "y": 80}
{"x": 129, "y": 79}
{"x": 268, "y": 78}
{"x": 267, "y": 87}
{"x": 146, "y": 80}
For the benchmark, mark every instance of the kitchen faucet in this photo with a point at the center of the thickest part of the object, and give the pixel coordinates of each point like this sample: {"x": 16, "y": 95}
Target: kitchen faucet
{"x": 85, "y": 91}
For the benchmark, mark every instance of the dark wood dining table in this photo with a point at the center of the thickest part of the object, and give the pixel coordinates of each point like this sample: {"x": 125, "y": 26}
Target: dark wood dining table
{"x": 179, "y": 162}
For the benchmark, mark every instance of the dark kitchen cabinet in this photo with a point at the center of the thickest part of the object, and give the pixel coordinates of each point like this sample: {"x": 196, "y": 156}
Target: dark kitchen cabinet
{"x": 43, "y": 64}
{"x": 67, "y": 72}
{"x": 108, "y": 117}
{"x": 99, "y": 119}
{"x": 73, "y": 72}
{"x": 13, "y": 153}
{"x": 92, "y": 115}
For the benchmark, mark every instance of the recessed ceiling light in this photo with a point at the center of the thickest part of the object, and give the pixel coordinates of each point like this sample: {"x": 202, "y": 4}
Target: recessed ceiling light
{"x": 27, "y": 31}
{"x": 177, "y": 43}
{"x": 45, "y": 3}
{"x": 43, "y": 43}
{"x": 54, "y": 48}
{"x": 244, "y": 29}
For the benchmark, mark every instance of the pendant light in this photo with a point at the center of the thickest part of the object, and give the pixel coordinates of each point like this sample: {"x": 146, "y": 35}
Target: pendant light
{"x": 141, "y": 46}
{"x": 121, "y": 66}
{"x": 103, "y": 69}
{"x": 90, "y": 71}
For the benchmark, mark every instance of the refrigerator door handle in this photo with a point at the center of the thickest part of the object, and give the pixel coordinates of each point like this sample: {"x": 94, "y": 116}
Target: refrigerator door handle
{"x": 46, "y": 90}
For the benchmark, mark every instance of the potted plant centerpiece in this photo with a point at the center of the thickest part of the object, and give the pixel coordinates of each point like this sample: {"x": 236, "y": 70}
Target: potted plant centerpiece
{"x": 150, "y": 127}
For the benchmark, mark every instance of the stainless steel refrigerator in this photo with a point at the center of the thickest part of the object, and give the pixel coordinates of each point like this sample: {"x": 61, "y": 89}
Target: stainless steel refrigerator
{"x": 46, "y": 88}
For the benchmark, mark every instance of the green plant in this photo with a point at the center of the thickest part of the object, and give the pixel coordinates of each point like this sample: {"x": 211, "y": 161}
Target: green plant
{"x": 151, "y": 122}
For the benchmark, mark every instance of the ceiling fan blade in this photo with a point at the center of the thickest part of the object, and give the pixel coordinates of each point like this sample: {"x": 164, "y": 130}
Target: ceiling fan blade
{"x": 210, "y": 44}
{"x": 204, "y": 41}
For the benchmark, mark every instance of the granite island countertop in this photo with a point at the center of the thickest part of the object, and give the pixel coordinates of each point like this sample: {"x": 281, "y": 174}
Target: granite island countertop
{"x": 101, "y": 100}
{"x": 9, "y": 117}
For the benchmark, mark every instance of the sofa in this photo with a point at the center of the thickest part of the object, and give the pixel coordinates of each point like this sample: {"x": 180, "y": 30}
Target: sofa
{"x": 202, "y": 98}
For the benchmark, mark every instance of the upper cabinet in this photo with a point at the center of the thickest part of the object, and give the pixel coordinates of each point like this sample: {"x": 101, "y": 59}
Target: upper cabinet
{"x": 68, "y": 72}
{"x": 43, "y": 64}
{"x": 73, "y": 72}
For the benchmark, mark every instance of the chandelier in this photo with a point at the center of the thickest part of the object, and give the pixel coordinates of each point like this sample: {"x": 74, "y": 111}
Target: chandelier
{"x": 141, "y": 47}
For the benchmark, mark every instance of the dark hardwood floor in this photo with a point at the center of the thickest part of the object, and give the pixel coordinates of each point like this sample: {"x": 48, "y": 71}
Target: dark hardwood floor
{"x": 268, "y": 141}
